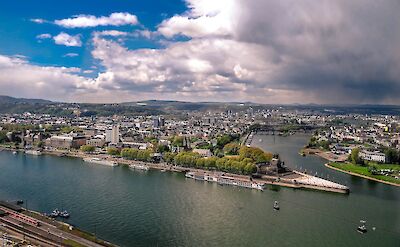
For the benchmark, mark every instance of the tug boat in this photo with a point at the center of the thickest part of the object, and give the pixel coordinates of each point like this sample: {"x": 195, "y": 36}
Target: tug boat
{"x": 362, "y": 228}
{"x": 276, "y": 205}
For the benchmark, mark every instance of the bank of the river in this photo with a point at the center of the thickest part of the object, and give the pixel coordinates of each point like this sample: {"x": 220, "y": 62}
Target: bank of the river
{"x": 362, "y": 172}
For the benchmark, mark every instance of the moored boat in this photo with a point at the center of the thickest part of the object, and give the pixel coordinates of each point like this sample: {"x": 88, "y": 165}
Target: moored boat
{"x": 142, "y": 167}
{"x": 100, "y": 161}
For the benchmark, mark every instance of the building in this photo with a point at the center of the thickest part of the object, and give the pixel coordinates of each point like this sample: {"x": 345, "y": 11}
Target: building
{"x": 205, "y": 153}
{"x": 66, "y": 141}
{"x": 112, "y": 135}
{"x": 373, "y": 156}
{"x": 96, "y": 142}
{"x": 158, "y": 122}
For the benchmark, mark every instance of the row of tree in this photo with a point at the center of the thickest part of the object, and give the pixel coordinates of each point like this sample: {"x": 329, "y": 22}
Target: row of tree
{"x": 244, "y": 163}
{"x": 135, "y": 154}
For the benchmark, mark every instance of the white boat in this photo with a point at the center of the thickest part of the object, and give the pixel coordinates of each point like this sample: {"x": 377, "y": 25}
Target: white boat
{"x": 100, "y": 161}
{"x": 33, "y": 152}
{"x": 15, "y": 152}
{"x": 139, "y": 167}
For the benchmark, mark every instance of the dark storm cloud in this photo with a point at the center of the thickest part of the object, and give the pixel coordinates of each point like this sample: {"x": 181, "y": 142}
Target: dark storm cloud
{"x": 340, "y": 50}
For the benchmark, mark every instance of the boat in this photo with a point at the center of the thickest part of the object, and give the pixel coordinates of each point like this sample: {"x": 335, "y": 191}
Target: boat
{"x": 15, "y": 152}
{"x": 362, "y": 228}
{"x": 64, "y": 214}
{"x": 163, "y": 170}
{"x": 100, "y": 161}
{"x": 33, "y": 152}
{"x": 19, "y": 202}
{"x": 55, "y": 213}
{"x": 142, "y": 167}
{"x": 276, "y": 205}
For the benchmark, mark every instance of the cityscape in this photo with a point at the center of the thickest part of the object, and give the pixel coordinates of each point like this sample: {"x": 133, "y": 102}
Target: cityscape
{"x": 199, "y": 123}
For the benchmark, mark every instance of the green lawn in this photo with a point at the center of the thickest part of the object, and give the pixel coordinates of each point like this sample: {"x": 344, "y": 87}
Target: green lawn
{"x": 363, "y": 170}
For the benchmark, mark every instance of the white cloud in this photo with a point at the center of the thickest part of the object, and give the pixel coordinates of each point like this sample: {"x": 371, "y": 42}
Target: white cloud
{"x": 205, "y": 17}
{"x": 71, "y": 55}
{"x": 261, "y": 50}
{"x": 67, "y": 40}
{"x": 44, "y": 36}
{"x": 84, "y": 21}
{"x": 20, "y": 77}
{"x": 39, "y": 21}
{"x": 113, "y": 33}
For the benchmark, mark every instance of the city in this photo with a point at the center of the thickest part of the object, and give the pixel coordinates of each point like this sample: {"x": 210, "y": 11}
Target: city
{"x": 199, "y": 123}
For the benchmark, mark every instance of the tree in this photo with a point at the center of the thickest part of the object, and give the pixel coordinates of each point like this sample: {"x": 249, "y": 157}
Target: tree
{"x": 162, "y": 148}
{"x": 3, "y": 137}
{"x": 392, "y": 155}
{"x": 232, "y": 148}
{"x": 113, "y": 151}
{"x": 355, "y": 159}
{"x": 88, "y": 148}
{"x": 169, "y": 157}
{"x": 40, "y": 144}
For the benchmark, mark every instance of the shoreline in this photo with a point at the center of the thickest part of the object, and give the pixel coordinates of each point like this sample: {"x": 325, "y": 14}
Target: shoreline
{"x": 171, "y": 168}
{"x": 360, "y": 175}
{"x": 42, "y": 230}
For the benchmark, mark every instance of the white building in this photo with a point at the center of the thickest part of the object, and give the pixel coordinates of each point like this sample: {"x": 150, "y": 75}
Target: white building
{"x": 112, "y": 135}
{"x": 373, "y": 156}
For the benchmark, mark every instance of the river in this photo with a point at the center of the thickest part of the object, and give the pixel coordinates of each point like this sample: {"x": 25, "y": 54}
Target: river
{"x": 135, "y": 208}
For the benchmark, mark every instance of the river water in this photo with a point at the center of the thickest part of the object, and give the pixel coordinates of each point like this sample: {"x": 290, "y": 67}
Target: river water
{"x": 133, "y": 208}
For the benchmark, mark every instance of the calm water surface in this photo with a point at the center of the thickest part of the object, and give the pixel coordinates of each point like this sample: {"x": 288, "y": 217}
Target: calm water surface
{"x": 131, "y": 208}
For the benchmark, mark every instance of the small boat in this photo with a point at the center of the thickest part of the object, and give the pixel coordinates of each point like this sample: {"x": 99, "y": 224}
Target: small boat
{"x": 15, "y": 152}
{"x": 163, "y": 170}
{"x": 19, "y": 202}
{"x": 55, "y": 213}
{"x": 64, "y": 214}
{"x": 276, "y": 205}
{"x": 362, "y": 228}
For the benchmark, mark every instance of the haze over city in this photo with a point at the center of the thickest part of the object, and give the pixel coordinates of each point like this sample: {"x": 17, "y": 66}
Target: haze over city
{"x": 196, "y": 50}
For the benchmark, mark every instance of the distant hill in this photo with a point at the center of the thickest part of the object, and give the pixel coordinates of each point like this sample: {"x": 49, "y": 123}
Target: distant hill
{"x": 11, "y": 100}
{"x": 171, "y": 107}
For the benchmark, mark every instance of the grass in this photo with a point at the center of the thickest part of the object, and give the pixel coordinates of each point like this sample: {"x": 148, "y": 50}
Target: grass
{"x": 363, "y": 170}
{"x": 72, "y": 243}
{"x": 86, "y": 235}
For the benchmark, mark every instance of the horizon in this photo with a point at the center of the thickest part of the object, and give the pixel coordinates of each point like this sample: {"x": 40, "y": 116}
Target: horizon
{"x": 268, "y": 52}
{"x": 208, "y": 102}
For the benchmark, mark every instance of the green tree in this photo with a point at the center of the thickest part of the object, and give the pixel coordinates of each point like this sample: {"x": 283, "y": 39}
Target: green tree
{"x": 3, "y": 136}
{"x": 355, "y": 157}
{"x": 88, "y": 148}
{"x": 232, "y": 148}
{"x": 113, "y": 151}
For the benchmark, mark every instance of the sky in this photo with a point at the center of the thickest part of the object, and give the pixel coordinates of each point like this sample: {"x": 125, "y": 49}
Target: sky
{"x": 264, "y": 51}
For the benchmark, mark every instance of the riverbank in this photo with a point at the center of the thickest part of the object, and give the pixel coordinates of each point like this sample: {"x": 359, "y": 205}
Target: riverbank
{"x": 44, "y": 231}
{"x": 324, "y": 154}
{"x": 362, "y": 176}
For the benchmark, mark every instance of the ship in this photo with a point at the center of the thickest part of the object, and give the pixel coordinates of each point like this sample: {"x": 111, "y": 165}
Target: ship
{"x": 225, "y": 179}
{"x": 33, "y": 152}
{"x": 142, "y": 167}
{"x": 100, "y": 161}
